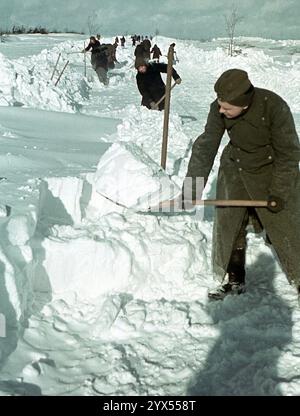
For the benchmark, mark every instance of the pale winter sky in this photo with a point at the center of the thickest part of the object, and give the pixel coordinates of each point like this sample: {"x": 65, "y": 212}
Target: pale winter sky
{"x": 195, "y": 19}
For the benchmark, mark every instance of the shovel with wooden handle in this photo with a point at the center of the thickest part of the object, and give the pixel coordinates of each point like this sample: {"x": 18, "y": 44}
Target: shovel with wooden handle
{"x": 177, "y": 203}
{"x": 217, "y": 202}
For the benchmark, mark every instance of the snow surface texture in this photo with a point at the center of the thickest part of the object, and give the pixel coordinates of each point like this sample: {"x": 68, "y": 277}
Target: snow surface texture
{"x": 99, "y": 299}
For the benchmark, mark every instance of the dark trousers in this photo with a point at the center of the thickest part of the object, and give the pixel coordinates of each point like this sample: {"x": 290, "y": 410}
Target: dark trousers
{"x": 102, "y": 75}
{"x": 236, "y": 267}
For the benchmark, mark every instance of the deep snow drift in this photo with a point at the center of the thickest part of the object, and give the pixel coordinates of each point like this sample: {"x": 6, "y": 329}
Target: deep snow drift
{"x": 102, "y": 298}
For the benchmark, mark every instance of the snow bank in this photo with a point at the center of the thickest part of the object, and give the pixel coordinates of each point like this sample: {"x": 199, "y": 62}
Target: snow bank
{"x": 265, "y": 71}
{"x": 30, "y": 81}
{"x": 150, "y": 138}
{"x": 37, "y": 144}
{"x": 7, "y": 80}
{"x": 107, "y": 253}
{"x": 28, "y": 84}
{"x": 128, "y": 175}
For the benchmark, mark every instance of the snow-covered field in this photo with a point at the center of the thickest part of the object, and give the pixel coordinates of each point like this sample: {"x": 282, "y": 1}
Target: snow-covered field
{"x": 103, "y": 300}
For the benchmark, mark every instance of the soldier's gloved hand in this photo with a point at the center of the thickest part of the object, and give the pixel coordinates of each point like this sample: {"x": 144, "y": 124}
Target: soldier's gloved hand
{"x": 153, "y": 105}
{"x": 275, "y": 203}
{"x": 178, "y": 81}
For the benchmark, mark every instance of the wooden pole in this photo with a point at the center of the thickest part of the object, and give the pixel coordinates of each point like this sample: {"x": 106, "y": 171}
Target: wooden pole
{"x": 55, "y": 67}
{"x": 167, "y": 108}
{"x": 215, "y": 202}
{"x": 231, "y": 203}
{"x": 63, "y": 70}
{"x": 164, "y": 96}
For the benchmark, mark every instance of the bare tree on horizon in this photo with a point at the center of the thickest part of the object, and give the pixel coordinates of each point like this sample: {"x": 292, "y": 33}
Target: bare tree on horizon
{"x": 93, "y": 26}
{"x": 231, "y": 20}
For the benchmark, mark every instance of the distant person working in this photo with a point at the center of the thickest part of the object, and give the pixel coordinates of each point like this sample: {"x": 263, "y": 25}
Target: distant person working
{"x": 150, "y": 83}
{"x": 99, "y": 59}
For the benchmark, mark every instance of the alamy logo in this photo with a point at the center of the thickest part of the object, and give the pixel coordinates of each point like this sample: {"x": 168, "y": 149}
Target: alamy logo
{"x": 2, "y": 326}
{"x": 192, "y": 190}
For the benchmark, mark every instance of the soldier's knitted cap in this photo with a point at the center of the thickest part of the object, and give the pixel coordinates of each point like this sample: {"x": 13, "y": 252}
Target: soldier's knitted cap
{"x": 140, "y": 61}
{"x": 234, "y": 87}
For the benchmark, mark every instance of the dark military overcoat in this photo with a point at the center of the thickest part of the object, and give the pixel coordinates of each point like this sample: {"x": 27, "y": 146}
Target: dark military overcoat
{"x": 261, "y": 159}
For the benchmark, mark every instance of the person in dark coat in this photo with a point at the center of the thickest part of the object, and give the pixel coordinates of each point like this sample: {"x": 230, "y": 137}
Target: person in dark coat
{"x": 156, "y": 53}
{"x": 94, "y": 45}
{"x": 123, "y": 40}
{"x": 111, "y": 57}
{"x": 143, "y": 50}
{"x": 260, "y": 162}
{"x": 133, "y": 38}
{"x": 150, "y": 83}
{"x": 147, "y": 47}
{"x": 140, "y": 52}
{"x": 175, "y": 55}
{"x": 99, "y": 59}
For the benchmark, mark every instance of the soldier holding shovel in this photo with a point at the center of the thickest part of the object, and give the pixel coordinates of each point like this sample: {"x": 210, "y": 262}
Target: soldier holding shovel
{"x": 260, "y": 162}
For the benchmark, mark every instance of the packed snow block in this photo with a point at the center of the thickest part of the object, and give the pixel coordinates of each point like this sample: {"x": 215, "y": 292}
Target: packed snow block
{"x": 59, "y": 201}
{"x": 127, "y": 175}
{"x": 86, "y": 267}
{"x": 93, "y": 205}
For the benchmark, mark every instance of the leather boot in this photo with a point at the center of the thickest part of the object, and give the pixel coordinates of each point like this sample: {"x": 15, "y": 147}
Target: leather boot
{"x": 236, "y": 276}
